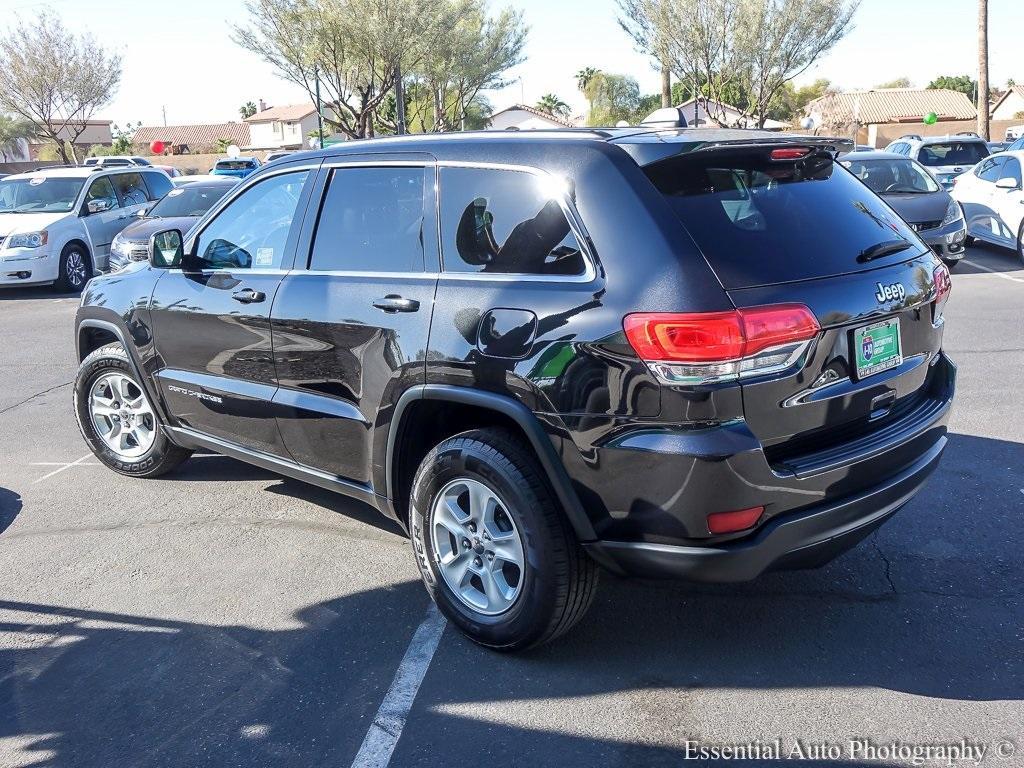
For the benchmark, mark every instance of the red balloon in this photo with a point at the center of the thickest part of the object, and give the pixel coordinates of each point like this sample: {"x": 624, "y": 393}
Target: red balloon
{"x": 157, "y": 147}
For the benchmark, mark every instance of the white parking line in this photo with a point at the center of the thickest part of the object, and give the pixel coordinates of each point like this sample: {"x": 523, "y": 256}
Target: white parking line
{"x": 62, "y": 467}
{"x": 995, "y": 272}
{"x": 390, "y": 719}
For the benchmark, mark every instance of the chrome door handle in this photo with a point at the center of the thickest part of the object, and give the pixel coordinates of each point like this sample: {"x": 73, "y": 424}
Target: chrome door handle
{"x": 392, "y": 303}
{"x": 249, "y": 296}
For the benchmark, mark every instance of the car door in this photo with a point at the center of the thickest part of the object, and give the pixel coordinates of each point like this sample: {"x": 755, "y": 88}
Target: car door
{"x": 975, "y": 194}
{"x": 211, "y": 317}
{"x": 103, "y": 217}
{"x": 351, "y": 321}
{"x": 1008, "y": 202}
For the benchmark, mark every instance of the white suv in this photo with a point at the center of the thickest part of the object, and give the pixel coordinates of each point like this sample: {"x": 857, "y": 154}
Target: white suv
{"x": 56, "y": 224}
{"x": 946, "y": 157}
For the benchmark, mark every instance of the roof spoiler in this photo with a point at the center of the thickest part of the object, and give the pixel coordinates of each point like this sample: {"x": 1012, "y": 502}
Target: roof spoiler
{"x": 646, "y": 153}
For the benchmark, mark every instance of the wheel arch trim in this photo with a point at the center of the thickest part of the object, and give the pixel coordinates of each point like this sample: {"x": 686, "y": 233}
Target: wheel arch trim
{"x": 523, "y": 417}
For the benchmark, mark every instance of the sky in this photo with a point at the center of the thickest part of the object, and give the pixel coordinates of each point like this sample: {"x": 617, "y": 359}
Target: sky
{"x": 179, "y": 56}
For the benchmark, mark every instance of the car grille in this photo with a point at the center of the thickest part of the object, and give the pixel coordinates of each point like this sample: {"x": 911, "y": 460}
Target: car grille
{"x": 922, "y": 226}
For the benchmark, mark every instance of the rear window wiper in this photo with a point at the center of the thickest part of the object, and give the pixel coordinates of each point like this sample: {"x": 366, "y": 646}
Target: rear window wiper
{"x": 886, "y": 248}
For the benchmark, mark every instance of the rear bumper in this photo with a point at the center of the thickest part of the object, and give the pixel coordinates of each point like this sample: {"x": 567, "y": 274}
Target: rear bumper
{"x": 801, "y": 540}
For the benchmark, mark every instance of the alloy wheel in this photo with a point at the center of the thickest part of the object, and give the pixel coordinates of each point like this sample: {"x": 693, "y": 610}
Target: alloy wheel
{"x": 477, "y": 547}
{"x": 74, "y": 268}
{"x": 122, "y": 415}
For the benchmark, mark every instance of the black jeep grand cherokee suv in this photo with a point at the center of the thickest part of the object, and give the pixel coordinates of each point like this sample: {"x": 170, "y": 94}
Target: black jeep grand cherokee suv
{"x": 689, "y": 353}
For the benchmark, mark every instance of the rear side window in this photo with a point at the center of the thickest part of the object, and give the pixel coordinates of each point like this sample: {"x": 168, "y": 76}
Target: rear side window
{"x": 371, "y": 220}
{"x": 131, "y": 189}
{"x": 760, "y": 221}
{"x": 953, "y": 153}
{"x": 505, "y": 222}
{"x": 159, "y": 185}
{"x": 1011, "y": 170}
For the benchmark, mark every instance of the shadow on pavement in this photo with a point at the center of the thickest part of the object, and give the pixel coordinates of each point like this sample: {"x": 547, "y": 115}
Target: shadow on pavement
{"x": 992, "y": 256}
{"x": 10, "y": 506}
{"x": 16, "y": 293}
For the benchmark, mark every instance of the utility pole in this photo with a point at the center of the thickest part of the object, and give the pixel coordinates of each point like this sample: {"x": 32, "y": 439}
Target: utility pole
{"x": 319, "y": 109}
{"x": 983, "y": 127}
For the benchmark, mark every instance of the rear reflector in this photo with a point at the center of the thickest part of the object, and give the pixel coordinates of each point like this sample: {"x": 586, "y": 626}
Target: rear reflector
{"x": 790, "y": 153}
{"x": 714, "y": 346}
{"x": 730, "y": 522}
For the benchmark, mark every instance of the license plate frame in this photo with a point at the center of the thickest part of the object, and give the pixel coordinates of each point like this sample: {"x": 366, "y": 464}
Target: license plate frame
{"x": 877, "y": 348}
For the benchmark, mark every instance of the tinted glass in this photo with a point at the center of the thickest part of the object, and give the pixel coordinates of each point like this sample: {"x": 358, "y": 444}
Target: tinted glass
{"x": 953, "y": 153}
{"x": 1017, "y": 145}
{"x": 131, "y": 188}
{"x": 251, "y": 232}
{"x": 1011, "y": 170}
{"x": 102, "y": 189}
{"x": 159, "y": 185}
{"x": 989, "y": 170}
{"x": 760, "y": 221}
{"x": 193, "y": 200}
{"x": 505, "y": 222}
{"x": 235, "y": 165}
{"x": 892, "y": 175}
{"x": 372, "y": 220}
{"x": 42, "y": 194}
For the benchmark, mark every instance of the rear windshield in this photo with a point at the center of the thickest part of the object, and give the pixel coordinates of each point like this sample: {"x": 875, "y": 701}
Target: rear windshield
{"x": 953, "y": 153}
{"x": 234, "y": 165}
{"x": 760, "y": 221}
{"x": 892, "y": 175}
{"x": 192, "y": 200}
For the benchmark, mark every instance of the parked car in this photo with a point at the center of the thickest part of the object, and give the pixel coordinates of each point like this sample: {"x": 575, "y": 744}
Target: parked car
{"x": 56, "y": 224}
{"x": 170, "y": 170}
{"x": 1015, "y": 146}
{"x": 689, "y": 353}
{"x": 181, "y": 181}
{"x": 915, "y": 195}
{"x": 179, "y": 208}
{"x": 1014, "y": 133}
{"x": 116, "y": 160}
{"x": 239, "y": 167}
{"x": 997, "y": 146}
{"x": 278, "y": 155}
{"x": 945, "y": 157}
{"x": 993, "y": 201}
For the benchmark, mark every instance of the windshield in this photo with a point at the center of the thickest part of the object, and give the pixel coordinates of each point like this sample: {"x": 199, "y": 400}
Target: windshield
{"x": 40, "y": 194}
{"x": 893, "y": 176}
{"x": 953, "y": 153}
{"x": 194, "y": 200}
{"x": 760, "y": 221}
{"x": 234, "y": 165}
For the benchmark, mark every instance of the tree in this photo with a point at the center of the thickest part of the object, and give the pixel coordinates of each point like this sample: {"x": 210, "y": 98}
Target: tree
{"x": 474, "y": 54}
{"x": 13, "y": 131}
{"x": 983, "y": 108}
{"x": 899, "y": 82}
{"x": 55, "y": 79}
{"x": 553, "y": 105}
{"x": 247, "y": 110}
{"x": 962, "y": 83}
{"x": 614, "y": 98}
{"x": 751, "y": 47}
{"x": 357, "y": 49}
{"x": 584, "y": 76}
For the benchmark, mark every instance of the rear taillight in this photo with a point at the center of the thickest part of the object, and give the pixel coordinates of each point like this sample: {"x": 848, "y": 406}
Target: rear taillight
{"x": 943, "y": 287}
{"x": 707, "y": 347}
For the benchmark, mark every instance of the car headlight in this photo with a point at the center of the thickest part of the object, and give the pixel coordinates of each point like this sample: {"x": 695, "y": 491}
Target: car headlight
{"x": 27, "y": 240}
{"x": 953, "y": 213}
{"x": 119, "y": 246}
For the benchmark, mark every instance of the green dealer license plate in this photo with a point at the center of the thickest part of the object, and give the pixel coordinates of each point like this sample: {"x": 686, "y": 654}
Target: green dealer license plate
{"x": 878, "y": 347}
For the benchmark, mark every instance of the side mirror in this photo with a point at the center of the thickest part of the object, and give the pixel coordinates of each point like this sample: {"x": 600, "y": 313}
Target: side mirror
{"x": 142, "y": 212}
{"x": 166, "y": 249}
{"x": 1007, "y": 183}
{"x": 97, "y": 206}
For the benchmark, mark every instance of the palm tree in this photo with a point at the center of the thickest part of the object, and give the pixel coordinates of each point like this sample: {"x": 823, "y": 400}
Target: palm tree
{"x": 553, "y": 105}
{"x": 584, "y": 76}
{"x": 983, "y": 129}
{"x": 12, "y": 132}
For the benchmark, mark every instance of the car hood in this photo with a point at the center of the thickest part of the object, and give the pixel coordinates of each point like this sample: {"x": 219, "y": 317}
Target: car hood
{"x": 143, "y": 229}
{"x": 12, "y": 223}
{"x": 917, "y": 208}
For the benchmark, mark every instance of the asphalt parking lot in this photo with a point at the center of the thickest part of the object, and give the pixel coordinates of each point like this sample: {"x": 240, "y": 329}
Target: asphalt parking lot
{"x": 226, "y": 616}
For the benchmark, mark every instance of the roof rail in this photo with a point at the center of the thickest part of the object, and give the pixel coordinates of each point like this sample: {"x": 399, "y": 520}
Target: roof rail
{"x": 911, "y": 136}
{"x": 968, "y": 133}
{"x": 67, "y": 165}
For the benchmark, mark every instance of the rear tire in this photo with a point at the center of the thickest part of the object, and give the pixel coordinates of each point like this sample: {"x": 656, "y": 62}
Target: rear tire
{"x": 534, "y": 602}
{"x": 74, "y": 270}
{"x": 110, "y": 401}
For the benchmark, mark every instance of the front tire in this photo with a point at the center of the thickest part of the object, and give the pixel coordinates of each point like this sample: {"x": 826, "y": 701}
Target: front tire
{"x": 74, "y": 270}
{"x": 1020, "y": 242}
{"x": 494, "y": 549}
{"x": 118, "y": 421}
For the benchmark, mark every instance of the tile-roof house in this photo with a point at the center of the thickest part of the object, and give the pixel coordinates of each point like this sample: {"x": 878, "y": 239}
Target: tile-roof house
{"x": 284, "y": 127}
{"x": 894, "y": 105}
{"x": 524, "y": 118}
{"x": 1009, "y": 105}
{"x": 201, "y": 137}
